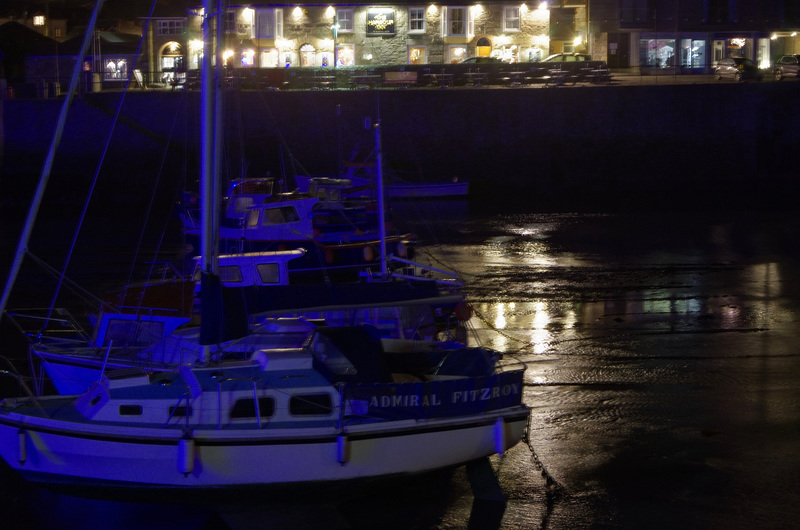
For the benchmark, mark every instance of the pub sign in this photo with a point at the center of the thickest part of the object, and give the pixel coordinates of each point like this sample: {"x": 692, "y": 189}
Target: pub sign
{"x": 380, "y": 21}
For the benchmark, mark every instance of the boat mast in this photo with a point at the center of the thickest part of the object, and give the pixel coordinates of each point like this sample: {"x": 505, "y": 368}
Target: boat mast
{"x": 210, "y": 114}
{"x": 376, "y": 126}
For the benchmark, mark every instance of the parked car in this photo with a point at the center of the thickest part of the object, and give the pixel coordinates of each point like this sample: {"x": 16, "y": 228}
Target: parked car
{"x": 737, "y": 68}
{"x": 567, "y": 58}
{"x": 787, "y": 66}
{"x": 481, "y": 60}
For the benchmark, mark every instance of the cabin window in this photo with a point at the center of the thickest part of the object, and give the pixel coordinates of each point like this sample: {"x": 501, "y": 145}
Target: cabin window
{"x": 269, "y": 272}
{"x": 311, "y": 405}
{"x": 230, "y": 274}
{"x": 133, "y": 332}
{"x": 246, "y": 408}
{"x": 181, "y": 411}
{"x": 242, "y": 204}
{"x": 130, "y": 410}
{"x": 275, "y": 216}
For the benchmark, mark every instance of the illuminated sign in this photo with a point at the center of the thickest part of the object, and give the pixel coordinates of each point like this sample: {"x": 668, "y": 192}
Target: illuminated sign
{"x": 380, "y": 21}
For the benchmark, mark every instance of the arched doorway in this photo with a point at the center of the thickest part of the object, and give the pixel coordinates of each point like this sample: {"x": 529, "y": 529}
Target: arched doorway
{"x": 171, "y": 66}
{"x": 308, "y": 55}
{"x": 483, "y": 48}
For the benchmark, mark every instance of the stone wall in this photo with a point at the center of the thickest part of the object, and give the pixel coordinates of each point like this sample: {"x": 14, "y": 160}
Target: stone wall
{"x": 587, "y": 147}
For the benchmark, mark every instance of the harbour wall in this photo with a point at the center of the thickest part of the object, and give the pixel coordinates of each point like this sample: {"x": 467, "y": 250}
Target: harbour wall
{"x": 574, "y": 148}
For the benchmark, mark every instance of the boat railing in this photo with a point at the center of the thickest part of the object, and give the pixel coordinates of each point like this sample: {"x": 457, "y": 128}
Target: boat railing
{"x": 176, "y": 408}
{"x": 421, "y": 272}
{"x": 256, "y": 404}
{"x": 35, "y": 326}
{"x": 22, "y": 381}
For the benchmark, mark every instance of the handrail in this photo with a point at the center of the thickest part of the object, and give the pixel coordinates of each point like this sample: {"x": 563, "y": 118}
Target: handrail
{"x": 254, "y": 380}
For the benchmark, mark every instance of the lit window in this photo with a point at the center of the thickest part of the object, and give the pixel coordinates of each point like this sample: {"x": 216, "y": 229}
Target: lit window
{"x": 416, "y": 19}
{"x": 38, "y": 20}
{"x": 344, "y": 19}
{"x": 346, "y": 54}
{"x": 417, "y": 55}
{"x": 511, "y": 19}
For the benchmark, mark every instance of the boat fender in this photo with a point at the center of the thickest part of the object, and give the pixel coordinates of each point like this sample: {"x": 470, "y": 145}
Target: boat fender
{"x": 330, "y": 256}
{"x": 342, "y": 447}
{"x": 500, "y": 437}
{"x": 22, "y": 450}
{"x": 463, "y": 311}
{"x": 186, "y": 455}
{"x": 401, "y": 250}
{"x": 369, "y": 253}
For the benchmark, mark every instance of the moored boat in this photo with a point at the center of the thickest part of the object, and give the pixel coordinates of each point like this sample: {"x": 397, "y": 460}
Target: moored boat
{"x": 344, "y": 406}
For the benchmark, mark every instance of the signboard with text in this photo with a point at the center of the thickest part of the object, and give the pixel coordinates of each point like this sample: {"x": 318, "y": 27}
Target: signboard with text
{"x": 380, "y": 21}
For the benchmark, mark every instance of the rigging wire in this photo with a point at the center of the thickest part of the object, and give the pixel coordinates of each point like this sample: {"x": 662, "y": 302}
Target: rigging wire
{"x": 150, "y": 204}
{"x": 99, "y": 165}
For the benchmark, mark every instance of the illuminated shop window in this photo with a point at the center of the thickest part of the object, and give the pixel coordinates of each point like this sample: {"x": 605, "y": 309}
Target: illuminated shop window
{"x": 308, "y": 55}
{"x": 248, "y": 58}
{"x": 270, "y": 58}
{"x": 456, "y": 53}
{"x": 417, "y": 55}
{"x": 115, "y": 69}
{"x": 657, "y": 53}
{"x": 693, "y": 53}
{"x": 416, "y": 20}
{"x": 346, "y": 54}
{"x": 511, "y": 19}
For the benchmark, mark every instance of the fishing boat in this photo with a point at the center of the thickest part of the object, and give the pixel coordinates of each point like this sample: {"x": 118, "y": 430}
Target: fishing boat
{"x": 347, "y": 404}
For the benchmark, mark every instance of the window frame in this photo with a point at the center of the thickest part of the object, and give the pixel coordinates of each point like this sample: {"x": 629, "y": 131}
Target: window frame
{"x": 417, "y": 15}
{"x": 170, "y": 27}
{"x": 447, "y": 24}
{"x": 512, "y": 13}
{"x": 349, "y": 19}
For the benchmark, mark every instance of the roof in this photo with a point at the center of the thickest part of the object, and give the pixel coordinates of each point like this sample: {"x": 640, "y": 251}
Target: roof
{"x": 110, "y": 42}
{"x": 19, "y": 40}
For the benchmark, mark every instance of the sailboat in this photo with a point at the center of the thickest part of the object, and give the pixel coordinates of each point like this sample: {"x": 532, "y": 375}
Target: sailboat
{"x": 345, "y": 405}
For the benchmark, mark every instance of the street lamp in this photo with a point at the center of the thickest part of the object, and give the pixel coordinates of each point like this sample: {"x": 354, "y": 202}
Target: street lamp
{"x": 335, "y": 30}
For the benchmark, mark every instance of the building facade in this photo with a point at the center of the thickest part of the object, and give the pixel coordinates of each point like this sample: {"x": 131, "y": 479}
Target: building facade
{"x": 272, "y": 36}
{"x": 674, "y": 36}
{"x": 644, "y": 36}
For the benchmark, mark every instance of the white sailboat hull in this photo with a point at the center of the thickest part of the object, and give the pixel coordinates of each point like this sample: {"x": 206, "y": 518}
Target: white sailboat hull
{"x": 47, "y": 451}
